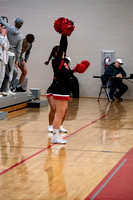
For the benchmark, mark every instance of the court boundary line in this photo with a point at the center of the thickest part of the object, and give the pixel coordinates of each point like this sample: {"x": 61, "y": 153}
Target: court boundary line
{"x": 33, "y": 155}
{"x": 100, "y": 186}
{"x": 107, "y": 181}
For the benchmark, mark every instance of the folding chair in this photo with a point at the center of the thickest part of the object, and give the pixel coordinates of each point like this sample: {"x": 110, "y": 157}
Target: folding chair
{"x": 104, "y": 87}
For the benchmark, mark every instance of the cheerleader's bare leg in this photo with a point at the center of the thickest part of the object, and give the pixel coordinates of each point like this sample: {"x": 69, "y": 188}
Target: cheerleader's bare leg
{"x": 52, "y": 111}
{"x": 61, "y": 107}
{"x": 51, "y": 116}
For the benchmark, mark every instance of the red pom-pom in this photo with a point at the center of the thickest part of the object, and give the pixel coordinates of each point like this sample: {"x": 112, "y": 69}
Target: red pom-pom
{"x": 76, "y": 68}
{"x": 58, "y": 24}
{"x": 64, "y": 26}
{"x": 81, "y": 68}
{"x": 86, "y": 63}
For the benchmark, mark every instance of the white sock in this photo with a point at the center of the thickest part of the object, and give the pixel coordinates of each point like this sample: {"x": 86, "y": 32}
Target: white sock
{"x": 55, "y": 132}
{"x": 50, "y": 126}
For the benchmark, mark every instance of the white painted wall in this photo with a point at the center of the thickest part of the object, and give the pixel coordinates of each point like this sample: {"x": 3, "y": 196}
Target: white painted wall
{"x": 100, "y": 25}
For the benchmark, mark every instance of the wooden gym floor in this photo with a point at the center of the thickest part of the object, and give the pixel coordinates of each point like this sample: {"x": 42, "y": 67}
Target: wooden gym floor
{"x": 99, "y": 135}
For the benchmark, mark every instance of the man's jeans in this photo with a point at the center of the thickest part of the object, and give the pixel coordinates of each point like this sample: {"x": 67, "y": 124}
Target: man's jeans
{"x": 117, "y": 84}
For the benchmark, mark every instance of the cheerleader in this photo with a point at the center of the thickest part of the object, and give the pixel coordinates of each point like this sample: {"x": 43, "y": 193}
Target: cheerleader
{"x": 58, "y": 92}
{"x": 49, "y": 94}
{"x": 60, "y": 87}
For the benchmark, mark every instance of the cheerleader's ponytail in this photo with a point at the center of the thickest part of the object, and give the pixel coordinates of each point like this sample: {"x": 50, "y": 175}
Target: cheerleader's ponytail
{"x": 54, "y": 53}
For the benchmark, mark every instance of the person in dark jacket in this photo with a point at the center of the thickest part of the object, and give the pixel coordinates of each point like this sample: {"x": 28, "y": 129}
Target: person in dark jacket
{"x": 117, "y": 87}
{"x": 74, "y": 84}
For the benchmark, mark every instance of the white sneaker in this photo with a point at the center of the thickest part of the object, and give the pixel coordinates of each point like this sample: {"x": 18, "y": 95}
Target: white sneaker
{"x": 5, "y": 94}
{"x": 10, "y": 92}
{"x": 58, "y": 140}
{"x": 1, "y": 95}
{"x": 50, "y": 128}
{"x": 62, "y": 129}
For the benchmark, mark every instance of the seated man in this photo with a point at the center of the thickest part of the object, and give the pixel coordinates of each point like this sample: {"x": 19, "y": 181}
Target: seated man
{"x": 116, "y": 70}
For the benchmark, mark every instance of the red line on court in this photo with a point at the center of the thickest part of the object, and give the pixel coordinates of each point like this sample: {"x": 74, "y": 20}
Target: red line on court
{"x": 85, "y": 126}
{"x": 118, "y": 183}
{"x": 13, "y": 166}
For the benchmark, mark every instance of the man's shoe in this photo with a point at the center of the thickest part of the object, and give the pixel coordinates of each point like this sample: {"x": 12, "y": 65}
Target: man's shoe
{"x": 50, "y": 128}
{"x": 62, "y": 129}
{"x": 10, "y": 92}
{"x": 120, "y": 99}
{"x": 20, "y": 89}
{"x": 58, "y": 140}
{"x": 5, "y": 94}
{"x": 111, "y": 100}
{"x": 13, "y": 89}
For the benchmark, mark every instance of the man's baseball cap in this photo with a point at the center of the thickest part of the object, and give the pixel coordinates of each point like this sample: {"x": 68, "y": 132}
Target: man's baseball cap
{"x": 120, "y": 61}
{"x": 19, "y": 21}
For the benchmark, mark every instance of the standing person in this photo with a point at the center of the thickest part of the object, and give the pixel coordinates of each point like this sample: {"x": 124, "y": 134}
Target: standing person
{"x": 4, "y": 46}
{"x": 115, "y": 70}
{"x": 49, "y": 94}
{"x": 74, "y": 89}
{"x": 61, "y": 83}
{"x": 61, "y": 89}
{"x": 26, "y": 49}
{"x": 15, "y": 39}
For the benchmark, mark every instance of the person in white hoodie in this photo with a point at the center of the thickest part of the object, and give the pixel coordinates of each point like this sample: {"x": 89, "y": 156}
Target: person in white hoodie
{"x": 4, "y": 46}
{"x": 15, "y": 39}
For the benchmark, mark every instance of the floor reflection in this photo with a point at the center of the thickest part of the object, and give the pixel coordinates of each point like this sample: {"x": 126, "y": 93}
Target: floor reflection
{"x": 11, "y": 143}
{"x": 54, "y": 165}
{"x": 115, "y": 112}
{"x": 73, "y": 105}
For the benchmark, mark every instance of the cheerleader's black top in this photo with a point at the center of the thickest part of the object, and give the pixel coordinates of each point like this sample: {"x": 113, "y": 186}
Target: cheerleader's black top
{"x": 61, "y": 72}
